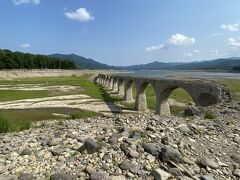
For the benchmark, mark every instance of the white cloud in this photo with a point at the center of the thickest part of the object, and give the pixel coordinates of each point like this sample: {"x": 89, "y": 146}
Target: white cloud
{"x": 80, "y": 14}
{"x": 214, "y": 52}
{"x": 196, "y": 51}
{"x": 188, "y": 55}
{"x": 18, "y": 2}
{"x": 233, "y": 43}
{"x": 180, "y": 39}
{"x": 25, "y": 45}
{"x": 231, "y": 27}
{"x": 154, "y": 48}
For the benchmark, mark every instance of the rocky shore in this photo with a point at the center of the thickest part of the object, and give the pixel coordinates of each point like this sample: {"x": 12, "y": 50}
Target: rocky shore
{"x": 126, "y": 146}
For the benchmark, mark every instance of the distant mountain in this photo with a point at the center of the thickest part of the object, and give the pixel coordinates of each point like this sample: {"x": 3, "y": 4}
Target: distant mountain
{"x": 218, "y": 64}
{"x": 82, "y": 62}
{"x": 151, "y": 66}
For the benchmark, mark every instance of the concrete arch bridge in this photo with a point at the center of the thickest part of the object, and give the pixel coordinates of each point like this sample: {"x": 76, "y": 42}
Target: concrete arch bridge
{"x": 202, "y": 92}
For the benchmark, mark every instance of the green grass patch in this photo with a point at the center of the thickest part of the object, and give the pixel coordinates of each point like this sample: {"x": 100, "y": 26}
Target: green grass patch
{"x": 83, "y": 114}
{"x": 9, "y": 125}
{"x": 87, "y": 87}
{"x": 32, "y": 115}
{"x": 10, "y": 95}
{"x": 19, "y": 120}
{"x": 209, "y": 115}
{"x": 176, "y": 110}
{"x": 232, "y": 84}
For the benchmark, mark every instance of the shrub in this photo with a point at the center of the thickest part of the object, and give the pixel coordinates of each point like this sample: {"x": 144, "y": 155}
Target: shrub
{"x": 209, "y": 115}
{"x": 11, "y": 125}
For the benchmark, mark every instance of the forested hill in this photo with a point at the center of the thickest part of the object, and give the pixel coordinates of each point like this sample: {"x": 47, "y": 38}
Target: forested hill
{"x": 236, "y": 68}
{"x": 82, "y": 62}
{"x": 19, "y": 60}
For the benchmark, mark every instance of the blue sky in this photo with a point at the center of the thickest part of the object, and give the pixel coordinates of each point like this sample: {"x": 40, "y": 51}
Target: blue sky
{"x": 123, "y": 32}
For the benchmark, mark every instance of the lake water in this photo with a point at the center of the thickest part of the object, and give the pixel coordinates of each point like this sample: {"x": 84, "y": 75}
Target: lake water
{"x": 182, "y": 74}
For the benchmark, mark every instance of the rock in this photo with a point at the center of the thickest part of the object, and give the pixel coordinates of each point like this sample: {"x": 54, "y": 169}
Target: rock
{"x": 133, "y": 153}
{"x": 191, "y": 111}
{"x": 26, "y": 176}
{"x": 150, "y": 128}
{"x": 170, "y": 154}
{"x": 183, "y": 128}
{"x": 152, "y": 148}
{"x": 90, "y": 170}
{"x": 61, "y": 176}
{"x": 8, "y": 177}
{"x": 61, "y": 158}
{"x": 151, "y": 158}
{"x": 57, "y": 152}
{"x": 125, "y": 165}
{"x": 70, "y": 135}
{"x": 207, "y": 162}
{"x": 134, "y": 169}
{"x": 236, "y": 157}
{"x": 113, "y": 140}
{"x": 175, "y": 172}
{"x": 55, "y": 141}
{"x": 236, "y": 173}
{"x": 148, "y": 167}
{"x": 207, "y": 177}
{"x": 99, "y": 176}
{"x": 236, "y": 139}
{"x": 160, "y": 174}
{"x": 26, "y": 151}
{"x": 117, "y": 178}
{"x": 185, "y": 178}
{"x": 165, "y": 140}
{"x": 90, "y": 145}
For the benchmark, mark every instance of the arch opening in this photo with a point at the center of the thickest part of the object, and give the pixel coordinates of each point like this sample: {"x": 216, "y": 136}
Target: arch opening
{"x": 173, "y": 100}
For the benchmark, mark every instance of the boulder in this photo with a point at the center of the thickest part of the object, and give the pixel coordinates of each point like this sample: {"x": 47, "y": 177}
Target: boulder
{"x": 152, "y": 148}
{"x": 90, "y": 145}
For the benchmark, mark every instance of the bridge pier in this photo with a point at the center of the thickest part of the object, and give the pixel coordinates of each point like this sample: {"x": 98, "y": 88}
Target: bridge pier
{"x": 162, "y": 107}
{"x": 128, "y": 94}
{"x": 141, "y": 99}
{"x": 115, "y": 85}
{"x": 110, "y": 83}
{"x": 120, "y": 86}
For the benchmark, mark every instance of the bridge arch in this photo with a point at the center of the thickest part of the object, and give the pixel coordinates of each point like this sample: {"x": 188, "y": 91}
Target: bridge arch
{"x": 162, "y": 98}
{"x": 202, "y": 93}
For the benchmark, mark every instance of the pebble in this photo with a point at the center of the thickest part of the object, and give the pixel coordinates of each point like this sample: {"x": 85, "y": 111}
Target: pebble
{"x": 92, "y": 149}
